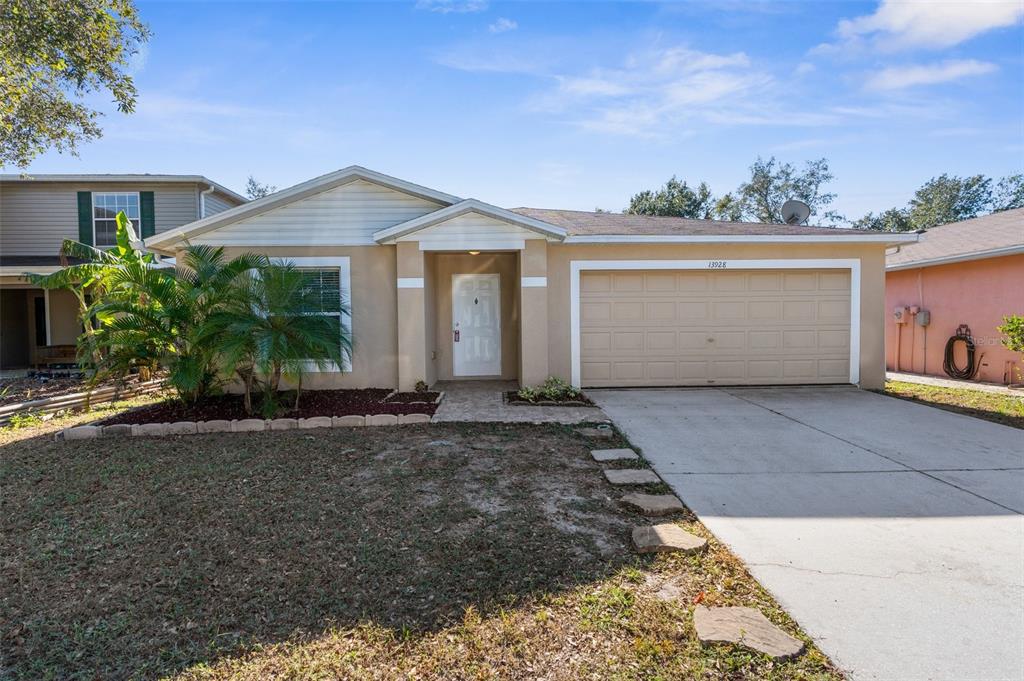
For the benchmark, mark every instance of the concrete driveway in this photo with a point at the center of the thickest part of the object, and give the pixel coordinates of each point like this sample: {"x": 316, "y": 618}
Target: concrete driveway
{"x": 892, "y": 532}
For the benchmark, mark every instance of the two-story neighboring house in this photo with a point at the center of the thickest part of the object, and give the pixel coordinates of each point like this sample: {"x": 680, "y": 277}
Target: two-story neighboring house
{"x": 38, "y": 212}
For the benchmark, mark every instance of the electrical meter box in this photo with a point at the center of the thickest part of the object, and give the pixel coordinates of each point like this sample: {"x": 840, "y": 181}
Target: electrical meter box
{"x": 901, "y": 314}
{"x": 924, "y": 318}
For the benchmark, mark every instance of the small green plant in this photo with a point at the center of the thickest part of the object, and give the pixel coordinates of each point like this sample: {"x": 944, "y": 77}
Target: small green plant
{"x": 26, "y": 420}
{"x": 422, "y": 387}
{"x": 528, "y": 393}
{"x": 553, "y": 389}
{"x": 1013, "y": 329}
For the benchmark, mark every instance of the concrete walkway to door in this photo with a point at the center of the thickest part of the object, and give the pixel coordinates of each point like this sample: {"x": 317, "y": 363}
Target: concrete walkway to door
{"x": 892, "y": 532}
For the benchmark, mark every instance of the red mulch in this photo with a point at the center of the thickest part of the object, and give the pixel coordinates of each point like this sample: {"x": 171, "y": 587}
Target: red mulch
{"x": 407, "y": 398}
{"x": 311, "y": 403}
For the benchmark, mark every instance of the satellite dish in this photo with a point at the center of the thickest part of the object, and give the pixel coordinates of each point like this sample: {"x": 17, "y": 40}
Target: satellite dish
{"x": 795, "y": 212}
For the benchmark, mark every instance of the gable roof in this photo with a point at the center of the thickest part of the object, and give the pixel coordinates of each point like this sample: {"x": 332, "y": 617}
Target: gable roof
{"x": 466, "y": 207}
{"x": 588, "y": 226}
{"x": 989, "y": 236}
{"x": 292, "y": 194}
{"x": 121, "y": 179}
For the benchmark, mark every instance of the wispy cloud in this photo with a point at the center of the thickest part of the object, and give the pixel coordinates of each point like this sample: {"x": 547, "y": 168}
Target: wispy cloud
{"x": 900, "y": 25}
{"x": 452, "y": 6}
{"x": 900, "y": 77}
{"x": 503, "y": 25}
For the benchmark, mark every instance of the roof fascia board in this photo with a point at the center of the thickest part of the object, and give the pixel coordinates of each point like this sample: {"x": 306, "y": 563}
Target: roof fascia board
{"x": 126, "y": 178}
{"x": 963, "y": 257}
{"x": 463, "y": 208}
{"x": 292, "y": 194}
{"x": 888, "y": 239}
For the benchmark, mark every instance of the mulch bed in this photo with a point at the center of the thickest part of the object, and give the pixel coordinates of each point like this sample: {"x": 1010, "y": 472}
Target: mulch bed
{"x": 311, "y": 403}
{"x": 411, "y": 398}
{"x": 512, "y": 397}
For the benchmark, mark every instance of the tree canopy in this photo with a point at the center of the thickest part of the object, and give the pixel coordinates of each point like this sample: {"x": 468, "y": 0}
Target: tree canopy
{"x": 759, "y": 199}
{"x": 52, "y": 54}
{"x": 257, "y": 190}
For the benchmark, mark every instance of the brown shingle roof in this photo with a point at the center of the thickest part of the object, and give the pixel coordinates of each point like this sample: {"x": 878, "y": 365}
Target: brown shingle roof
{"x": 976, "y": 236}
{"x": 577, "y": 222}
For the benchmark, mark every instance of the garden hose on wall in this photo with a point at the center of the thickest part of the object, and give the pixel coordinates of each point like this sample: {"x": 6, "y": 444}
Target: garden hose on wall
{"x": 963, "y": 334}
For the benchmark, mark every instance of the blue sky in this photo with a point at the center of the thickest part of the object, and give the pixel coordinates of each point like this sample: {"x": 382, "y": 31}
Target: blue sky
{"x": 573, "y": 105}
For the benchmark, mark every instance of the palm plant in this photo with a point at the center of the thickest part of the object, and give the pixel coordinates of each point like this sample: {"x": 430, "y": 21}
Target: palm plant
{"x": 166, "y": 319}
{"x": 276, "y": 326}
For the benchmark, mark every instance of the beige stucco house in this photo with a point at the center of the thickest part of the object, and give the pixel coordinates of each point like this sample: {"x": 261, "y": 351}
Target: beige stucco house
{"x": 438, "y": 287}
{"x": 38, "y": 212}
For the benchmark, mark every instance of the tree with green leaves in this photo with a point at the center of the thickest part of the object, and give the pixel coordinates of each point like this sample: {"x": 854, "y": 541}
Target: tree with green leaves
{"x": 274, "y": 328}
{"x": 892, "y": 220}
{"x": 257, "y": 190}
{"x": 1009, "y": 193}
{"x": 675, "y": 199}
{"x": 948, "y": 198}
{"x": 772, "y": 183}
{"x": 54, "y": 53}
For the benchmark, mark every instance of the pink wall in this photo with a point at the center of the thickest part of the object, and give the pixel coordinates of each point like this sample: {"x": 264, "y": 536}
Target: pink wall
{"x": 977, "y": 293}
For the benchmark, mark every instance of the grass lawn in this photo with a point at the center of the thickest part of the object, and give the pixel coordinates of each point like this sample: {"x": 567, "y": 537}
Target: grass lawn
{"x": 460, "y": 551}
{"x": 1005, "y": 409}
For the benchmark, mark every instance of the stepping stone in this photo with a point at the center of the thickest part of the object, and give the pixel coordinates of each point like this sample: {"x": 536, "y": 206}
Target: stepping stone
{"x": 653, "y": 504}
{"x": 746, "y": 627}
{"x": 666, "y": 538}
{"x": 632, "y": 476}
{"x": 605, "y": 455}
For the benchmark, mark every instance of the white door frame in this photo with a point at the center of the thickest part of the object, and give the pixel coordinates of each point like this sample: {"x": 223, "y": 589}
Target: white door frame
{"x": 494, "y": 276}
{"x": 578, "y": 266}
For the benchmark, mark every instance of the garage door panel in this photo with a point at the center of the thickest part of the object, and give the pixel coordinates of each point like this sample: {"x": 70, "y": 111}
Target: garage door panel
{"x": 703, "y": 328}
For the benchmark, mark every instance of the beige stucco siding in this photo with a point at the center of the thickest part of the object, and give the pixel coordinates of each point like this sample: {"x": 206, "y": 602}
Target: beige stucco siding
{"x": 872, "y": 288}
{"x": 374, "y": 309}
{"x": 36, "y": 218}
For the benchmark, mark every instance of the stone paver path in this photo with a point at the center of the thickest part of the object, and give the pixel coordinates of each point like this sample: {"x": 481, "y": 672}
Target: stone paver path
{"x": 746, "y": 627}
{"x": 666, "y": 538}
{"x": 632, "y": 476}
{"x": 483, "y": 401}
{"x": 605, "y": 455}
{"x": 653, "y": 504}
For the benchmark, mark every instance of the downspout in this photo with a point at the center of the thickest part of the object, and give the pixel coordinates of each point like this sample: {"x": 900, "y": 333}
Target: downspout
{"x": 202, "y": 201}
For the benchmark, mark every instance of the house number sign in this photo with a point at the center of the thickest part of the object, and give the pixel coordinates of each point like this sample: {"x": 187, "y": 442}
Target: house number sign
{"x": 716, "y": 264}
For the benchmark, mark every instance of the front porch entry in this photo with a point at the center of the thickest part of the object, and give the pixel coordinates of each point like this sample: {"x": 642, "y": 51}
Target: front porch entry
{"x": 472, "y": 314}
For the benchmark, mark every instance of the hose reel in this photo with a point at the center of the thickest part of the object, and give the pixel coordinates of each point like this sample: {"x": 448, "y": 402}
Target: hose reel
{"x": 962, "y": 335}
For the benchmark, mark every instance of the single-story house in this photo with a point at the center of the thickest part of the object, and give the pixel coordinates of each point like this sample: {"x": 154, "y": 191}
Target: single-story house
{"x": 969, "y": 272}
{"x": 438, "y": 287}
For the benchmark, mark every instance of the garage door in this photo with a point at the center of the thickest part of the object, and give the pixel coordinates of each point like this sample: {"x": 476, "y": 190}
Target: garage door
{"x": 701, "y": 327}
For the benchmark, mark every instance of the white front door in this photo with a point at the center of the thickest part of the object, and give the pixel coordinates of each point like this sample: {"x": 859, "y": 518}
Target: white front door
{"x": 476, "y": 324}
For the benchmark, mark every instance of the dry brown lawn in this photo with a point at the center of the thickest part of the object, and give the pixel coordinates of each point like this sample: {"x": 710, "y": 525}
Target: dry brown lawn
{"x": 464, "y": 551}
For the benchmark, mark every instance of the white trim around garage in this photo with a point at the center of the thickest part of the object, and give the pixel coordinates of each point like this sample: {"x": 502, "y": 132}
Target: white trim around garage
{"x": 343, "y": 263}
{"x": 578, "y": 266}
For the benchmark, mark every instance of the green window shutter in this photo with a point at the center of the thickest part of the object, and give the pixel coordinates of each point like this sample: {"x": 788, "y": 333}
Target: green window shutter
{"x": 85, "y": 217}
{"x": 146, "y": 214}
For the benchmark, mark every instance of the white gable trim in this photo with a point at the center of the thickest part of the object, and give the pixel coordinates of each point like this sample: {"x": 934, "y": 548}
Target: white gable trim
{"x": 544, "y": 229}
{"x": 166, "y": 240}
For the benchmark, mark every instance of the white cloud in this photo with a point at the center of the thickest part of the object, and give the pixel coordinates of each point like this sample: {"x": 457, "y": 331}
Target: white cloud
{"x": 452, "y": 6}
{"x": 804, "y": 68}
{"x": 902, "y": 24}
{"x": 900, "y": 77}
{"x": 502, "y": 25}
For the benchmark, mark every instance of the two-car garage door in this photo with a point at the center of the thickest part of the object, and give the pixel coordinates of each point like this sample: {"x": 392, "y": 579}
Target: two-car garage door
{"x": 713, "y": 327}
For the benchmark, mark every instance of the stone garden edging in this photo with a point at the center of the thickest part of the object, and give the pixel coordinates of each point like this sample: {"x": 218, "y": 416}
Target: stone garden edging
{"x": 88, "y": 432}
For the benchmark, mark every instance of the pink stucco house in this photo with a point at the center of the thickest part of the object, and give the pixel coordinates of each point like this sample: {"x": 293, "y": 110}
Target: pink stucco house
{"x": 969, "y": 272}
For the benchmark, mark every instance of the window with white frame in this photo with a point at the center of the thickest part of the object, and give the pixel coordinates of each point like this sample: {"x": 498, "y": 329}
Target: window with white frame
{"x": 105, "y": 207}
{"x": 325, "y": 287}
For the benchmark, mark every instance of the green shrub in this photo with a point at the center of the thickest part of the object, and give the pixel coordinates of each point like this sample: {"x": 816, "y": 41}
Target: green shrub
{"x": 25, "y": 420}
{"x": 1013, "y": 329}
{"x": 553, "y": 389}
